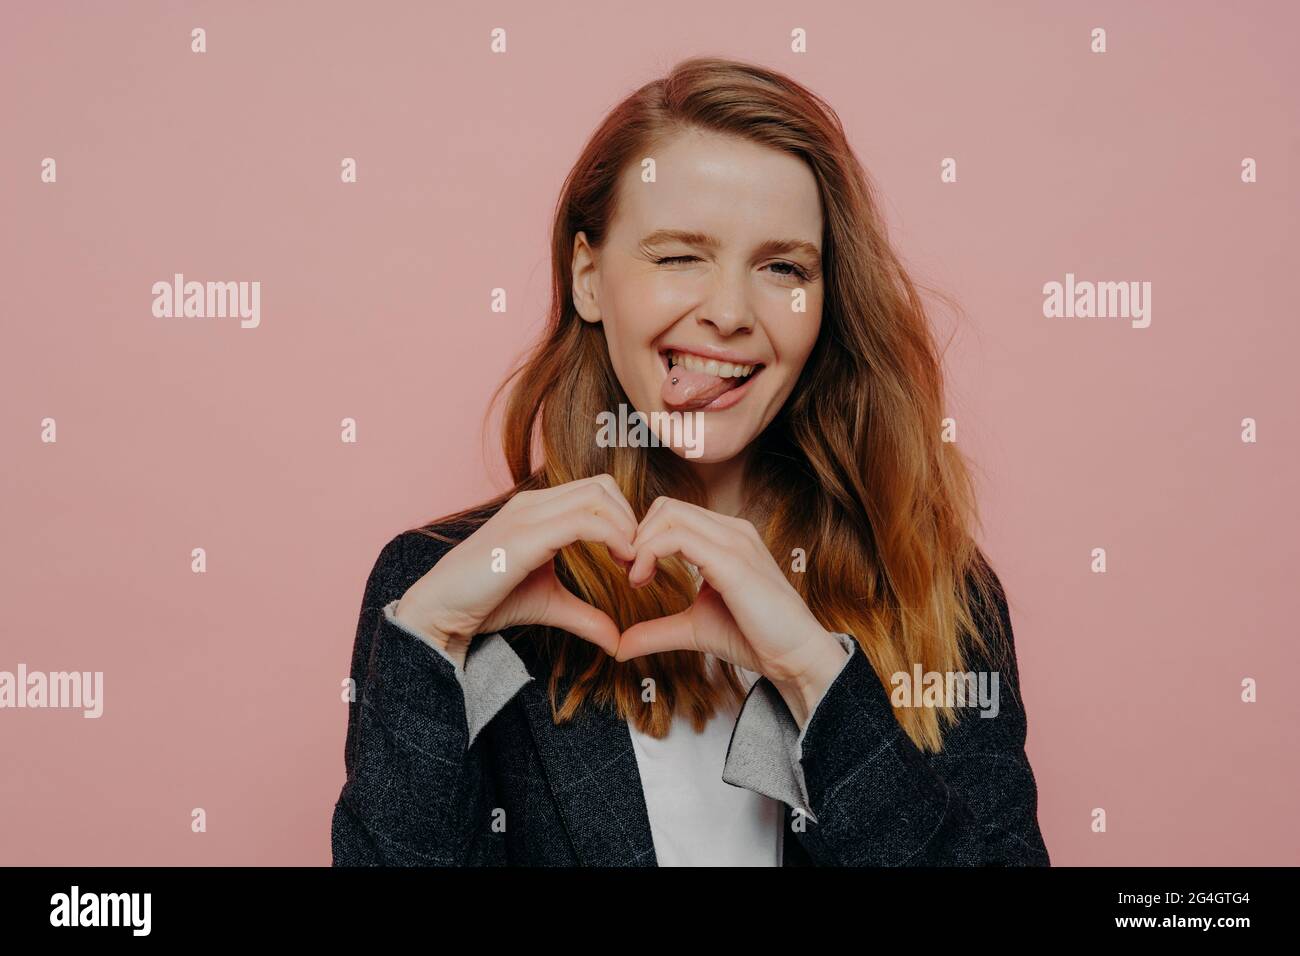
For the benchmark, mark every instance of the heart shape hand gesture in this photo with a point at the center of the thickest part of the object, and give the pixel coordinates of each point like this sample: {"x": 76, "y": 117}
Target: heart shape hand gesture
{"x": 746, "y": 612}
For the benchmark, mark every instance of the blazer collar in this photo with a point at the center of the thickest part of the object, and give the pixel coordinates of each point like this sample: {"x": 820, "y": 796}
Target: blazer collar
{"x": 592, "y": 771}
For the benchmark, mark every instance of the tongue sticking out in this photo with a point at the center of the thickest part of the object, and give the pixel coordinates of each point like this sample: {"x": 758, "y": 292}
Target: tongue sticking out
{"x": 686, "y": 389}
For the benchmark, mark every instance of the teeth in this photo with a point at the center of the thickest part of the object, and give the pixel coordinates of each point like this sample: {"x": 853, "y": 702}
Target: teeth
{"x": 709, "y": 366}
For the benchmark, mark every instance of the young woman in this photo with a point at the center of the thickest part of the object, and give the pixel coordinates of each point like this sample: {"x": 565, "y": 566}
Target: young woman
{"x": 700, "y": 652}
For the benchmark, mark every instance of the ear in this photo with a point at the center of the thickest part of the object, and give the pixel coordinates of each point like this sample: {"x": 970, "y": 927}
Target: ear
{"x": 586, "y": 279}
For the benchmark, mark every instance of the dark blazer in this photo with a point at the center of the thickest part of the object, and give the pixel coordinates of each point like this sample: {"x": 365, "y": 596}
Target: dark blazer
{"x": 439, "y": 757}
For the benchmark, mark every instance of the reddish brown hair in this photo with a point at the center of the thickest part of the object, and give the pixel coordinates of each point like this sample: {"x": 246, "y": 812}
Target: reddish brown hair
{"x": 853, "y": 469}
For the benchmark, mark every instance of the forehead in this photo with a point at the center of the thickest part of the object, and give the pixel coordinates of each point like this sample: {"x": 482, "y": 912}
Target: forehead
{"x": 723, "y": 185}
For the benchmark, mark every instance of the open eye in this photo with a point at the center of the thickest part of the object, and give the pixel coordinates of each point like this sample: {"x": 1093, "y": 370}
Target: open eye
{"x": 798, "y": 273}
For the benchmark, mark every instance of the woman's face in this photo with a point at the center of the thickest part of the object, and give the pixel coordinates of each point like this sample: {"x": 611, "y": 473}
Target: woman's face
{"x": 703, "y": 265}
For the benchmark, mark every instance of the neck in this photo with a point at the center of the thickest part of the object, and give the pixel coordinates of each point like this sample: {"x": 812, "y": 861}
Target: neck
{"x": 724, "y": 484}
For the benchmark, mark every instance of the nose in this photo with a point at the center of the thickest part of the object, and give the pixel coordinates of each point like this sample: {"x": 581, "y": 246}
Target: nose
{"x": 726, "y": 308}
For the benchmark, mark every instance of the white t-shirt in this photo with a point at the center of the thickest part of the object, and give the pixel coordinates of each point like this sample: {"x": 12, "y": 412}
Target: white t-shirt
{"x": 695, "y": 818}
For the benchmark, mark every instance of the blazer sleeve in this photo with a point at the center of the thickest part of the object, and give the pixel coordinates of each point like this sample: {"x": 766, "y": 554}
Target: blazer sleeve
{"x": 871, "y": 797}
{"x": 417, "y": 789}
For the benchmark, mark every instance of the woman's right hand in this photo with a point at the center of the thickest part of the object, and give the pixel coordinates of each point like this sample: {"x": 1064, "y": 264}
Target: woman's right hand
{"x": 462, "y": 595}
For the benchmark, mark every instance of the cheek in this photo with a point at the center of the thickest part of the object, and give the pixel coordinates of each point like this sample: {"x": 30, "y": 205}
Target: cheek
{"x": 658, "y": 300}
{"x": 629, "y": 321}
{"x": 641, "y": 309}
{"x": 795, "y": 335}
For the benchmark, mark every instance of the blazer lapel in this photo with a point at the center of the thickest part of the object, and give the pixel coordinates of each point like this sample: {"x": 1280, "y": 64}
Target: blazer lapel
{"x": 592, "y": 772}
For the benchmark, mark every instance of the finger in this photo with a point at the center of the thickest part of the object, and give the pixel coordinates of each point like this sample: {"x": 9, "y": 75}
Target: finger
{"x": 628, "y": 522}
{"x": 671, "y": 633}
{"x": 591, "y": 524}
{"x": 592, "y": 491}
{"x": 705, "y": 554}
{"x": 569, "y": 612}
{"x": 656, "y": 506}
{"x": 607, "y": 481}
{"x": 603, "y": 481}
{"x": 565, "y": 519}
{"x": 672, "y": 513}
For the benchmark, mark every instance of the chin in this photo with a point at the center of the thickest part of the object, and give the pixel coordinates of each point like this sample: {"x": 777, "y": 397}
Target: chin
{"x": 713, "y": 449}
{"x": 707, "y": 458}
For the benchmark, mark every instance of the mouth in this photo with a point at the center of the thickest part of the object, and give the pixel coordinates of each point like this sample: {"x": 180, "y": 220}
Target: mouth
{"x": 695, "y": 382}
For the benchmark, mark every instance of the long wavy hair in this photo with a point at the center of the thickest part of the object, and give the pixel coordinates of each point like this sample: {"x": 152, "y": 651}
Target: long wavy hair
{"x": 853, "y": 470}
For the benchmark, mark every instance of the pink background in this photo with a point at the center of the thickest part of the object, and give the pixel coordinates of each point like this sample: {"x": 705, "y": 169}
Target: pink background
{"x": 222, "y": 690}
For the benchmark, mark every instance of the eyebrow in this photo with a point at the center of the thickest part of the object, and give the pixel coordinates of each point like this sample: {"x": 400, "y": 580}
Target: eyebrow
{"x": 769, "y": 247}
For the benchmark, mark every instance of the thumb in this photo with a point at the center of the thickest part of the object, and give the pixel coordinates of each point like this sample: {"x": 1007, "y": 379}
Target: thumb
{"x": 672, "y": 633}
{"x": 569, "y": 612}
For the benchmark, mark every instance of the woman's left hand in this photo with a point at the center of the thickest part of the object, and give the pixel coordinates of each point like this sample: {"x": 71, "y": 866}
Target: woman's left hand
{"x": 746, "y": 611}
